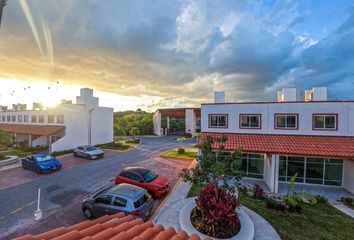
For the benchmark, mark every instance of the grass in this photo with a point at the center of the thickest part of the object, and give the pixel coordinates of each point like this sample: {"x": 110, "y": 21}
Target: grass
{"x": 134, "y": 141}
{"x": 174, "y": 154}
{"x": 120, "y": 139}
{"x": 321, "y": 221}
{"x": 116, "y": 146}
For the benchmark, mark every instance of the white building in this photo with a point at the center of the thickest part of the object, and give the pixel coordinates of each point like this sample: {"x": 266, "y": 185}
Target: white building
{"x": 313, "y": 138}
{"x": 190, "y": 118}
{"x": 63, "y": 127}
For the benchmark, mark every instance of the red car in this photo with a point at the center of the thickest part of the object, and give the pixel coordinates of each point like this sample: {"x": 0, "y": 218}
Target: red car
{"x": 145, "y": 178}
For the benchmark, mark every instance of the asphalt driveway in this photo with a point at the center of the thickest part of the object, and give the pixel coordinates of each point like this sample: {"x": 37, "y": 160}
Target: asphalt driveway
{"x": 64, "y": 190}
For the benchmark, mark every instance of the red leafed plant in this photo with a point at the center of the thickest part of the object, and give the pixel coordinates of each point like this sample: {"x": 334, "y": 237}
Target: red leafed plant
{"x": 215, "y": 214}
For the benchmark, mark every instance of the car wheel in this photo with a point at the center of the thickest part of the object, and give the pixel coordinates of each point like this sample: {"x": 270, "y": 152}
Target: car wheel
{"x": 24, "y": 167}
{"x": 75, "y": 154}
{"x": 39, "y": 171}
{"x": 87, "y": 213}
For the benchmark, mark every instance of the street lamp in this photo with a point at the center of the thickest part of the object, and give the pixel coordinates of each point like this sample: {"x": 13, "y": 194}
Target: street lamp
{"x": 90, "y": 122}
{"x": 2, "y": 5}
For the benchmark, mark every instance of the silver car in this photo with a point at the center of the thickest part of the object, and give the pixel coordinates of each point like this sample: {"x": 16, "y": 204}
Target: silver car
{"x": 123, "y": 197}
{"x": 89, "y": 152}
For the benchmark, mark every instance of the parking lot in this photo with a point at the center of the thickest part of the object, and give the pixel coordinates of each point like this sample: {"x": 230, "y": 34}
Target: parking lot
{"x": 63, "y": 191}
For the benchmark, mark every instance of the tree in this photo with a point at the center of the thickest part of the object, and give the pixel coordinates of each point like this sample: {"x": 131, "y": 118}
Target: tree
{"x": 216, "y": 204}
{"x": 216, "y": 167}
{"x": 134, "y": 132}
{"x": 5, "y": 138}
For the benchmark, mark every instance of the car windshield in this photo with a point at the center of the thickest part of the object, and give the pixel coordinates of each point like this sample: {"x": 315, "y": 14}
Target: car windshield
{"x": 149, "y": 176}
{"x": 91, "y": 149}
{"x": 44, "y": 158}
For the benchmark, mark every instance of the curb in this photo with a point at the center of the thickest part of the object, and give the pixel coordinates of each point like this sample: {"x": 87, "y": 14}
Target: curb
{"x": 115, "y": 150}
{"x": 11, "y": 168}
{"x": 174, "y": 187}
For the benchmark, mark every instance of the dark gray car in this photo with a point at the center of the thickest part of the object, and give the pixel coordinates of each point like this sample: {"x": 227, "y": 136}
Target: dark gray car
{"x": 123, "y": 197}
{"x": 89, "y": 152}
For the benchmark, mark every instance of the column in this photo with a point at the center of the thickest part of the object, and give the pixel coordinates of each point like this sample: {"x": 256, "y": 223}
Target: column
{"x": 29, "y": 140}
{"x": 49, "y": 141}
{"x": 168, "y": 124}
{"x": 190, "y": 121}
{"x": 271, "y": 172}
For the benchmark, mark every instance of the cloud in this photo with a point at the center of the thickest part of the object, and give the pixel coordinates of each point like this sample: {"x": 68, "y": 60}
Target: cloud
{"x": 179, "y": 52}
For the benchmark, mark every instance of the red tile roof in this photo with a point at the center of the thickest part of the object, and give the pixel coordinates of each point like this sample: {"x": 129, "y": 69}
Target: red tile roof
{"x": 324, "y": 146}
{"x": 177, "y": 112}
{"x": 114, "y": 227}
{"x": 42, "y": 130}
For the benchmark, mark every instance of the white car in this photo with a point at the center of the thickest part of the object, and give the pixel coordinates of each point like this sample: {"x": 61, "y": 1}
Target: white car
{"x": 89, "y": 152}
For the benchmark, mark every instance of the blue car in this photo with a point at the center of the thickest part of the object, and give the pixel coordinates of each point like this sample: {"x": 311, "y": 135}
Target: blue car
{"x": 41, "y": 163}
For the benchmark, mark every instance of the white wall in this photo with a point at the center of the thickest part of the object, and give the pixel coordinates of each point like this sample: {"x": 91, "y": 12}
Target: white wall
{"x": 190, "y": 121}
{"x": 345, "y": 111}
{"x": 76, "y": 122}
{"x": 271, "y": 169}
{"x": 348, "y": 175}
{"x": 157, "y": 123}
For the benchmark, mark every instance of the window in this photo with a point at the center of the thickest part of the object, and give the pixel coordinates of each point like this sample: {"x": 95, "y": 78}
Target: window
{"x": 141, "y": 201}
{"x": 313, "y": 170}
{"x": 218, "y": 121}
{"x": 60, "y": 119}
{"x": 252, "y": 165}
{"x": 13, "y": 118}
{"x": 8, "y": 118}
{"x": 286, "y": 121}
{"x": 250, "y": 121}
{"x": 19, "y": 118}
{"x": 324, "y": 122}
{"x": 3, "y": 118}
{"x": 33, "y": 118}
{"x": 119, "y": 202}
{"x": 50, "y": 118}
{"x": 25, "y": 118}
{"x": 105, "y": 199}
{"x": 41, "y": 118}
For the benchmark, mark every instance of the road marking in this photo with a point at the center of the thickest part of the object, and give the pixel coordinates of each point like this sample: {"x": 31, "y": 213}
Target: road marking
{"x": 19, "y": 209}
{"x": 130, "y": 164}
{"x": 29, "y": 204}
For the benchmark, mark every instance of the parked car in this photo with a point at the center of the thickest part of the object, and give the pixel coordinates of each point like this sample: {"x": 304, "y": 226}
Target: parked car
{"x": 89, "y": 152}
{"x": 124, "y": 197}
{"x": 145, "y": 178}
{"x": 41, "y": 163}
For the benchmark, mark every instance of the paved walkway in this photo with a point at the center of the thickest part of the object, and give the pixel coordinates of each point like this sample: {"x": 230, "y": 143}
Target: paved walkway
{"x": 343, "y": 208}
{"x": 168, "y": 214}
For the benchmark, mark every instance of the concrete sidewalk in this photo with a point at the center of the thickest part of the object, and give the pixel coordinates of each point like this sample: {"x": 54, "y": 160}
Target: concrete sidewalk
{"x": 168, "y": 214}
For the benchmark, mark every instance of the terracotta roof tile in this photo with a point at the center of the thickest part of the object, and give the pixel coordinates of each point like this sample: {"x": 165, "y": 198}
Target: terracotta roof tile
{"x": 113, "y": 227}
{"x": 325, "y": 146}
{"x": 43, "y": 130}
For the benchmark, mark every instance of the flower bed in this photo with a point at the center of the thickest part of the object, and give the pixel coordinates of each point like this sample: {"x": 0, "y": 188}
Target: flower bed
{"x": 245, "y": 232}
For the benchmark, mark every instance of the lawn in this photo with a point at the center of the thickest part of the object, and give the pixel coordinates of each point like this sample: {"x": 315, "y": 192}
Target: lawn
{"x": 174, "y": 154}
{"x": 116, "y": 146}
{"x": 321, "y": 221}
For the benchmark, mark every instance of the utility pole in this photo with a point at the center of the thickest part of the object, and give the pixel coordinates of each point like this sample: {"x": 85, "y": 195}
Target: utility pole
{"x": 2, "y": 5}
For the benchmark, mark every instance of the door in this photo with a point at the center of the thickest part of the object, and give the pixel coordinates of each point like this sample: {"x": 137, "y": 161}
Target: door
{"x": 119, "y": 204}
{"x": 101, "y": 205}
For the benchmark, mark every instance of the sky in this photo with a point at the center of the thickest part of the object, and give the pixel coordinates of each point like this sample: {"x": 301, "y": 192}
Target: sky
{"x": 164, "y": 53}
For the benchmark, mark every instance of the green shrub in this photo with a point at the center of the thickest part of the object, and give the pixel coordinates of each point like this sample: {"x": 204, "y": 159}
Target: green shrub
{"x": 133, "y": 141}
{"x": 181, "y": 150}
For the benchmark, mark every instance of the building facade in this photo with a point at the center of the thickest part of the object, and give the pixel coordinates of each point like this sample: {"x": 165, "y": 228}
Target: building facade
{"x": 313, "y": 138}
{"x": 189, "y": 121}
{"x": 63, "y": 127}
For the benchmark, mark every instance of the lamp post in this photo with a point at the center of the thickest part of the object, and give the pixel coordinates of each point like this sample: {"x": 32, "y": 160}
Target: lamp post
{"x": 90, "y": 123}
{"x": 2, "y": 5}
